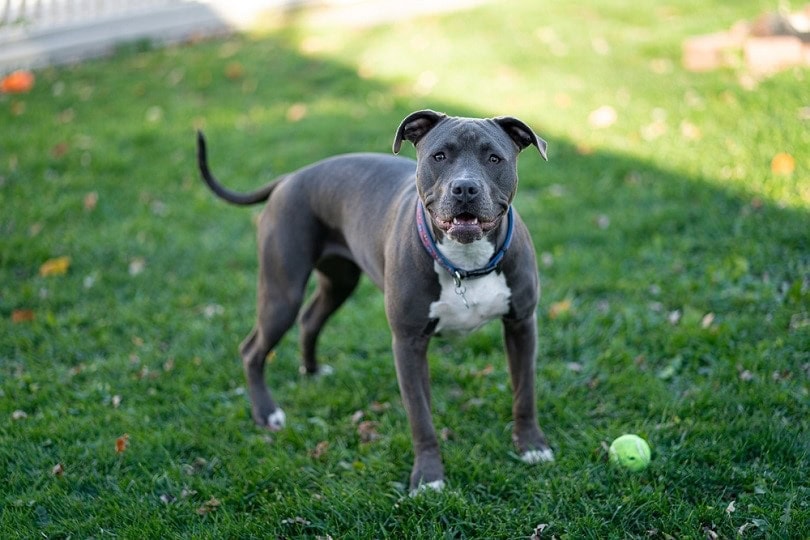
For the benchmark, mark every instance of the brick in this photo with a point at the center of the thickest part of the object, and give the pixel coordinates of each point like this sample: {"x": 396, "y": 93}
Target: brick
{"x": 709, "y": 51}
{"x": 765, "y": 55}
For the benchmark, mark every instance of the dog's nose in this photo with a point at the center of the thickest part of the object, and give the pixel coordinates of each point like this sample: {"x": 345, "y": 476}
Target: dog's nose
{"x": 464, "y": 190}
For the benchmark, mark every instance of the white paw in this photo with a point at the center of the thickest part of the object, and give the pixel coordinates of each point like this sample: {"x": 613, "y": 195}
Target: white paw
{"x": 324, "y": 370}
{"x": 436, "y": 485}
{"x": 276, "y": 420}
{"x": 537, "y": 456}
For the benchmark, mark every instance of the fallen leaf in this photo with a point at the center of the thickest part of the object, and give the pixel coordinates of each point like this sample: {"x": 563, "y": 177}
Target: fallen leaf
{"x": 90, "y": 201}
{"x": 59, "y": 149}
{"x": 378, "y": 407}
{"x": 55, "y": 267}
{"x": 368, "y": 431}
{"x": 603, "y": 117}
{"x": 487, "y": 370}
{"x": 707, "y": 320}
{"x": 576, "y": 367}
{"x": 234, "y": 70}
{"x": 19, "y": 415}
{"x": 137, "y": 266}
{"x": 296, "y": 112}
{"x": 357, "y": 416}
{"x": 746, "y": 375}
{"x": 783, "y": 164}
{"x": 58, "y": 470}
{"x": 167, "y": 498}
{"x": 320, "y": 450}
{"x": 730, "y": 509}
{"x": 116, "y": 401}
{"x": 209, "y": 506}
{"x": 674, "y": 317}
{"x": 121, "y": 443}
{"x": 17, "y": 82}
{"x": 690, "y": 131}
{"x": 447, "y": 434}
{"x": 22, "y": 315}
{"x": 186, "y": 493}
{"x": 559, "y": 309}
{"x": 297, "y": 520}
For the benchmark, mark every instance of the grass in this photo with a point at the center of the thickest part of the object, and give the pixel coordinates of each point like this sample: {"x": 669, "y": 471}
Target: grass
{"x": 675, "y": 270}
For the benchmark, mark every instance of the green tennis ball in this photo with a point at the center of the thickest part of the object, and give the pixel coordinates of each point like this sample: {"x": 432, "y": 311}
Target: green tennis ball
{"x": 630, "y": 452}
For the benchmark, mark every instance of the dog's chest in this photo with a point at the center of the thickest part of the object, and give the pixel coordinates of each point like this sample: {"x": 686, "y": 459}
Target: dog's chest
{"x": 486, "y": 297}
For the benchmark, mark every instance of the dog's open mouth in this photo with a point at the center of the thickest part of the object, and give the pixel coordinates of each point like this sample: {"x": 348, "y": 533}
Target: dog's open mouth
{"x": 465, "y": 226}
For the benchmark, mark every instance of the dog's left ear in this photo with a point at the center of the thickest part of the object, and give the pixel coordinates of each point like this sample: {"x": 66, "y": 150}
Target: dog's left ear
{"x": 521, "y": 134}
{"x": 415, "y": 126}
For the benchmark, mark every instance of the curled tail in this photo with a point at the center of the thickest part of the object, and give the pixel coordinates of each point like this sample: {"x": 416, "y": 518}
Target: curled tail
{"x": 233, "y": 197}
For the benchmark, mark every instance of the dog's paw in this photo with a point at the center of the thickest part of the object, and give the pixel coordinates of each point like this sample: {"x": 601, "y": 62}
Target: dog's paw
{"x": 537, "y": 456}
{"x": 324, "y": 370}
{"x": 276, "y": 420}
{"x": 436, "y": 485}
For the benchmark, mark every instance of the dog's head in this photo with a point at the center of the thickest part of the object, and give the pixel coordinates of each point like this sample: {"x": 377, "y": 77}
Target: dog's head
{"x": 466, "y": 172}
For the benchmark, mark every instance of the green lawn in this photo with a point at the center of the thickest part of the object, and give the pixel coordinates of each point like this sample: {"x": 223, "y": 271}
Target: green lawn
{"x": 675, "y": 266}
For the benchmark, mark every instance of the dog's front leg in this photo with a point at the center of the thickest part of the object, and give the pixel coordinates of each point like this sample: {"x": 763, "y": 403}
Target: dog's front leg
{"x": 520, "y": 337}
{"x": 410, "y": 356}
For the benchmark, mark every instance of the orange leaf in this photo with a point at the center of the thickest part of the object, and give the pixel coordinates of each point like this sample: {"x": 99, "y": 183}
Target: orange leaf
{"x": 121, "y": 443}
{"x": 90, "y": 201}
{"x": 55, "y": 267}
{"x": 783, "y": 163}
{"x": 17, "y": 82}
{"x": 22, "y": 315}
{"x": 558, "y": 309}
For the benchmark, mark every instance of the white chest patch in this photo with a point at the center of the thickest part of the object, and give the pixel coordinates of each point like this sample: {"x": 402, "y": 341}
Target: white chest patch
{"x": 487, "y": 297}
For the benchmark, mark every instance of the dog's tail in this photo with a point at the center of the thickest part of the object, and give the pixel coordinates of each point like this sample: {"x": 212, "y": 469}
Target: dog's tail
{"x": 233, "y": 197}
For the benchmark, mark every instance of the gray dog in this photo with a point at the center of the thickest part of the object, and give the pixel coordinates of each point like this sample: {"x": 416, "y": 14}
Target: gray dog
{"x": 439, "y": 236}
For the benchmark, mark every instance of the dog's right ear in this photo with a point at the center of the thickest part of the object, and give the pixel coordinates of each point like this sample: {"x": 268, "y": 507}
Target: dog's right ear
{"x": 415, "y": 126}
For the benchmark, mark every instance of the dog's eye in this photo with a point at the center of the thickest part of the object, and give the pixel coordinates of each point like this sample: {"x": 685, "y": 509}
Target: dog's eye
{"x": 440, "y": 156}
{"x": 494, "y": 159}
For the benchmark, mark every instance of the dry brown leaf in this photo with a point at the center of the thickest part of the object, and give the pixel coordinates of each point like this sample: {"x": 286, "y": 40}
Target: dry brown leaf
{"x": 783, "y": 164}
{"x": 368, "y": 431}
{"x": 121, "y": 443}
{"x": 320, "y": 450}
{"x": 59, "y": 149}
{"x": 487, "y": 370}
{"x": 90, "y": 201}
{"x": 730, "y": 508}
{"x": 55, "y": 267}
{"x": 58, "y": 470}
{"x": 22, "y": 315}
{"x": 209, "y": 506}
{"x": 560, "y": 308}
{"x": 296, "y": 112}
{"x": 707, "y": 320}
{"x": 378, "y": 407}
{"x": 234, "y": 70}
{"x": 357, "y": 416}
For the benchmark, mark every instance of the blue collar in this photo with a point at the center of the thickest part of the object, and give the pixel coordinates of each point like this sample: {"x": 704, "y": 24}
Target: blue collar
{"x": 458, "y": 273}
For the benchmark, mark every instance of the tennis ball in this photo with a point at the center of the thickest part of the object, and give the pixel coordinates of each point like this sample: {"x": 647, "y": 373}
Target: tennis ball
{"x": 630, "y": 452}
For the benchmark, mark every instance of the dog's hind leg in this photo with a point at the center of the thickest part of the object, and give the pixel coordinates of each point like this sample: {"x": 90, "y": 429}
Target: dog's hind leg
{"x": 280, "y": 293}
{"x": 337, "y": 278}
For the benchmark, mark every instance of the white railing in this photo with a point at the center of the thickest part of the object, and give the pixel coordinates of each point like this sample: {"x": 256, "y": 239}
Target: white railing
{"x": 41, "y": 14}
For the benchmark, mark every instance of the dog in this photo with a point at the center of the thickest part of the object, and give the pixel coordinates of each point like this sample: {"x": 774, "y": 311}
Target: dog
{"x": 438, "y": 236}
